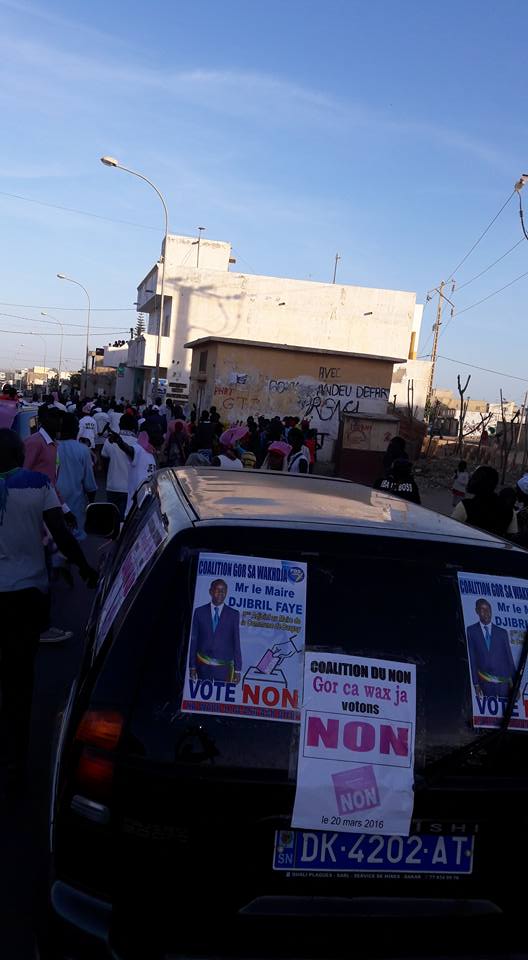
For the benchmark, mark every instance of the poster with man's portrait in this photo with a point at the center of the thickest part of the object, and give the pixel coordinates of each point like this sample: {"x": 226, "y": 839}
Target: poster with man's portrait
{"x": 495, "y": 611}
{"x": 247, "y": 638}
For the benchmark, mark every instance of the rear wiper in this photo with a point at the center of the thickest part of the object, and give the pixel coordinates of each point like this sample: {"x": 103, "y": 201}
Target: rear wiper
{"x": 446, "y": 765}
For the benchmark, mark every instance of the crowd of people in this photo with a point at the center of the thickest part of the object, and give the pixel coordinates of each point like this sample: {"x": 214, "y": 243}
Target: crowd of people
{"x": 476, "y": 501}
{"x": 125, "y": 443}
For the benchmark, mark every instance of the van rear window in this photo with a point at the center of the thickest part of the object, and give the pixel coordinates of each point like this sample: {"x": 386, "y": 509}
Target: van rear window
{"x": 369, "y": 596}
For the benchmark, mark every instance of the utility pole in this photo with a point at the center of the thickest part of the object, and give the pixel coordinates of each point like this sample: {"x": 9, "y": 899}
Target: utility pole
{"x": 523, "y": 411}
{"x": 200, "y": 231}
{"x": 337, "y": 259}
{"x": 436, "y": 332}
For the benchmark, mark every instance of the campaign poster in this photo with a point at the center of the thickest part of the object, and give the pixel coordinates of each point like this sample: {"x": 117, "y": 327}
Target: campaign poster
{"x": 246, "y": 640}
{"x": 356, "y": 750}
{"x": 495, "y": 611}
{"x": 149, "y": 538}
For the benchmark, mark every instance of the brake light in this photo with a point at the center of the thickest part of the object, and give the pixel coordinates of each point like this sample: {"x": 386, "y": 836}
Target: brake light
{"x": 101, "y": 728}
{"x": 94, "y": 772}
{"x": 99, "y": 733}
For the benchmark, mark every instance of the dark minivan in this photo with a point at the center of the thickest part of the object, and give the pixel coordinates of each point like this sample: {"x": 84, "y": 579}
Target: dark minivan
{"x": 166, "y": 825}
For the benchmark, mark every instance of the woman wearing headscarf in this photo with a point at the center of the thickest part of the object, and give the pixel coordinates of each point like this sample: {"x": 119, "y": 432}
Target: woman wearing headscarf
{"x": 277, "y": 456}
{"x": 228, "y": 458}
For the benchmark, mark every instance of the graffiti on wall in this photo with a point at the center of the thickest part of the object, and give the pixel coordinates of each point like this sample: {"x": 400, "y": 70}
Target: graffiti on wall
{"x": 325, "y": 403}
{"x": 323, "y": 400}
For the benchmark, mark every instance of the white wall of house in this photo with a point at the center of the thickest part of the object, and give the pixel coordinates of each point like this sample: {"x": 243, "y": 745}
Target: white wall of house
{"x": 415, "y": 372}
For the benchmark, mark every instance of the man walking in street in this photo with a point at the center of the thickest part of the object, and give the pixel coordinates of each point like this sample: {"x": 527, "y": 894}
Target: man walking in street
{"x": 41, "y": 451}
{"x": 42, "y": 455}
{"x": 119, "y": 464}
{"x": 27, "y": 501}
{"x": 142, "y": 461}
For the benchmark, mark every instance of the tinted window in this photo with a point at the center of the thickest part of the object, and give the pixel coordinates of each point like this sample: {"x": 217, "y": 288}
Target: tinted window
{"x": 370, "y": 596}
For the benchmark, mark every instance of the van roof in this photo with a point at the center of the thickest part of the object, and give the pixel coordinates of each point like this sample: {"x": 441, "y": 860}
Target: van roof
{"x": 259, "y": 497}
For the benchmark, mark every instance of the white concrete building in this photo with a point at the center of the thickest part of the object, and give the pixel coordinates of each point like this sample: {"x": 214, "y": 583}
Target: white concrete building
{"x": 410, "y": 381}
{"x": 204, "y": 298}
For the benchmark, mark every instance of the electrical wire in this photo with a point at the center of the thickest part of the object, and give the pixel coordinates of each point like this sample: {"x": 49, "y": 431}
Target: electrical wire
{"x": 79, "y": 326}
{"x": 243, "y": 260}
{"x": 521, "y": 214}
{"x": 493, "y": 294}
{"x": 481, "y": 237}
{"x": 495, "y": 262}
{"x": 477, "y": 303}
{"x": 49, "y": 333}
{"x": 499, "y": 373}
{"x": 83, "y": 213}
{"x": 40, "y": 306}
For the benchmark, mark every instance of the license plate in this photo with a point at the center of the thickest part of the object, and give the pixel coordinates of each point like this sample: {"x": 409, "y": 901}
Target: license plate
{"x": 319, "y": 852}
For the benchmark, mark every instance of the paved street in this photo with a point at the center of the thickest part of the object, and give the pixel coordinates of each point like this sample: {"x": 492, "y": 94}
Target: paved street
{"x": 23, "y": 833}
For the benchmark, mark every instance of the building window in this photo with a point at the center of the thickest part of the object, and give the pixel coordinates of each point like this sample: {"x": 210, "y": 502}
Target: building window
{"x": 203, "y": 361}
{"x": 167, "y": 310}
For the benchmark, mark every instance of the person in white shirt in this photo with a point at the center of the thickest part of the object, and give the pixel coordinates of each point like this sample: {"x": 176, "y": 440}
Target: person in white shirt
{"x": 101, "y": 418}
{"x": 119, "y": 464}
{"x": 142, "y": 462}
{"x": 87, "y": 427}
{"x": 115, "y": 416}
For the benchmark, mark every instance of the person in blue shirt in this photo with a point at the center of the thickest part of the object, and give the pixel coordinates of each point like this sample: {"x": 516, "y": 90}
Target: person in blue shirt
{"x": 75, "y": 479}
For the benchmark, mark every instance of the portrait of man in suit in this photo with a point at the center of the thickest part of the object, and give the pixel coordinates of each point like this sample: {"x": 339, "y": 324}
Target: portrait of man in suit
{"x": 490, "y": 656}
{"x": 214, "y": 652}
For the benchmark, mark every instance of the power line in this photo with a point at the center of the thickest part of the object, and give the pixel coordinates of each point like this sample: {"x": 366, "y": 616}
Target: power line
{"x": 40, "y": 306}
{"x": 482, "y": 235}
{"x": 483, "y": 300}
{"x": 499, "y": 373}
{"x": 31, "y": 333}
{"x": 521, "y": 213}
{"x": 493, "y": 294}
{"x": 83, "y": 213}
{"x": 243, "y": 260}
{"x": 79, "y": 326}
{"x": 489, "y": 267}
{"x": 495, "y": 262}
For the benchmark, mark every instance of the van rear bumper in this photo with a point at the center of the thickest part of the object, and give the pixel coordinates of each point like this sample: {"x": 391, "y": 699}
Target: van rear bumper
{"x": 79, "y": 924}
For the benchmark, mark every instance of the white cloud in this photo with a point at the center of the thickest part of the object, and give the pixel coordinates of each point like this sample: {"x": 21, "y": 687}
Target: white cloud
{"x": 55, "y": 76}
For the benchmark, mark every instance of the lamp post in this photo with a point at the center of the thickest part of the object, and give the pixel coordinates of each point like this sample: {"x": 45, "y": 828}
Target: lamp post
{"x": 62, "y": 276}
{"x": 112, "y": 162}
{"x": 54, "y": 320}
{"x": 39, "y": 335}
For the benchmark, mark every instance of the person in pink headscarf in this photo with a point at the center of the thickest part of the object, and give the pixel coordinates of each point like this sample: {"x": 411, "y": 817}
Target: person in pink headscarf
{"x": 230, "y": 440}
{"x": 277, "y": 456}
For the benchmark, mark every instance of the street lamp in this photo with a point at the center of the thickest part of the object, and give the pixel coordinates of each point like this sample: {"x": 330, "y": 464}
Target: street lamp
{"x": 62, "y": 276}
{"x": 112, "y": 162}
{"x": 54, "y": 320}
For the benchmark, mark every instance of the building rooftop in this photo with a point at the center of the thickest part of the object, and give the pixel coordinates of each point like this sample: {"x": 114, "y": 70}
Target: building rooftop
{"x": 204, "y": 341}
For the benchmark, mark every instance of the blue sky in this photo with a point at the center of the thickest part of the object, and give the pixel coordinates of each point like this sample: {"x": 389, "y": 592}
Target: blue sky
{"x": 389, "y": 131}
